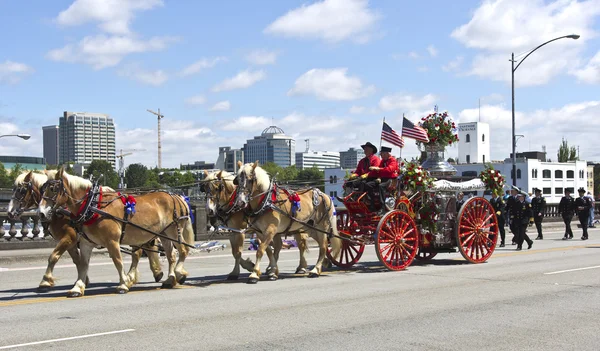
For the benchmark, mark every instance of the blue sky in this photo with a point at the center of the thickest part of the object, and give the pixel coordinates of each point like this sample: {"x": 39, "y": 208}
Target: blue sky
{"x": 328, "y": 71}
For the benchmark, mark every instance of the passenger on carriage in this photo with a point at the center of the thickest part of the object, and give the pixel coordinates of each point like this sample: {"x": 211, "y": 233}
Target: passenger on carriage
{"x": 386, "y": 172}
{"x": 362, "y": 175}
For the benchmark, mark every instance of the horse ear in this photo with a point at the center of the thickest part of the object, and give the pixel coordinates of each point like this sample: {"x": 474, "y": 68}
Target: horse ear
{"x": 59, "y": 174}
{"x": 28, "y": 177}
{"x": 220, "y": 175}
{"x": 255, "y": 164}
{"x": 240, "y": 164}
{"x": 205, "y": 173}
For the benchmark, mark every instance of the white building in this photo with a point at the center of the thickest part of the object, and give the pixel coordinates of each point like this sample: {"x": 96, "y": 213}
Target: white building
{"x": 321, "y": 159}
{"x": 552, "y": 177}
{"x": 334, "y": 179}
{"x": 473, "y": 142}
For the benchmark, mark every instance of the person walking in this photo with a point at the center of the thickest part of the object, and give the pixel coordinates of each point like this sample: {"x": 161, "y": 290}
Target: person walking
{"x": 522, "y": 217}
{"x": 510, "y": 203}
{"x": 500, "y": 208}
{"x": 566, "y": 208}
{"x": 538, "y": 206}
{"x": 583, "y": 205}
{"x": 505, "y": 198}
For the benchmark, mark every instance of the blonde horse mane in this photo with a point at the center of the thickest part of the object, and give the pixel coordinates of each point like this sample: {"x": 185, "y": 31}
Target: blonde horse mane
{"x": 262, "y": 177}
{"x": 38, "y": 179}
{"x": 78, "y": 183}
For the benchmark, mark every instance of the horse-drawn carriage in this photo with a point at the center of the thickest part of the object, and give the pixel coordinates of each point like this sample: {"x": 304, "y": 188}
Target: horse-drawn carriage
{"x": 417, "y": 224}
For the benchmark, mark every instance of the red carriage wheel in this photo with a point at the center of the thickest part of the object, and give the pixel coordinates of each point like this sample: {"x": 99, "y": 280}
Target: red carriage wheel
{"x": 397, "y": 240}
{"x": 477, "y": 231}
{"x": 351, "y": 249}
{"x": 425, "y": 256}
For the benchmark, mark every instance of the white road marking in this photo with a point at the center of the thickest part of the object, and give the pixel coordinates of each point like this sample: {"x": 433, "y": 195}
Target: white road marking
{"x": 66, "y": 339}
{"x": 572, "y": 270}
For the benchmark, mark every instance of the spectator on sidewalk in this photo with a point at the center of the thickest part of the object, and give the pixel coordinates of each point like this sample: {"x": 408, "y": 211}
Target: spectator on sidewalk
{"x": 566, "y": 208}
{"x": 583, "y": 205}
{"x": 538, "y": 206}
{"x": 591, "y": 218}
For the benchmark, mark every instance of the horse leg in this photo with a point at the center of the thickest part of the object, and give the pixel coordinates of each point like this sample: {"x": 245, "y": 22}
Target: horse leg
{"x": 63, "y": 245}
{"x": 114, "y": 249}
{"x": 273, "y": 270}
{"x": 171, "y": 280}
{"x": 133, "y": 274}
{"x": 154, "y": 261}
{"x": 186, "y": 235}
{"x": 302, "y": 248}
{"x": 237, "y": 245}
{"x": 322, "y": 241}
{"x": 76, "y": 257}
{"x": 85, "y": 252}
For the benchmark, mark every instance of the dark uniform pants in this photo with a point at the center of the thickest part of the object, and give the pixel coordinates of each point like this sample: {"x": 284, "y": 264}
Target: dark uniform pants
{"x": 521, "y": 234}
{"x": 583, "y": 220}
{"x": 567, "y": 218}
{"x": 501, "y": 228}
{"x": 538, "y": 225}
{"x": 369, "y": 187}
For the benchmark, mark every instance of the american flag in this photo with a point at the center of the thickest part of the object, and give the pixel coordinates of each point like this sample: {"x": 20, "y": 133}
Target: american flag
{"x": 390, "y": 135}
{"x": 410, "y": 130}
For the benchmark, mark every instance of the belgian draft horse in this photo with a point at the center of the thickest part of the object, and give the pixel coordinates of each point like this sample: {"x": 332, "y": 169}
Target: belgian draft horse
{"x": 155, "y": 213}
{"x": 271, "y": 213}
{"x": 26, "y": 195}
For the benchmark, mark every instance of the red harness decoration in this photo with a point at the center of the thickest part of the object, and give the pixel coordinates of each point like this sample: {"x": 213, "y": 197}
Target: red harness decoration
{"x": 233, "y": 197}
{"x": 273, "y": 195}
{"x": 95, "y": 216}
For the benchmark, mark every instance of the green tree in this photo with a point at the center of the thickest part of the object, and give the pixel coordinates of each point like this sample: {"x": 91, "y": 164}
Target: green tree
{"x": 136, "y": 175}
{"x": 153, "y": 181}
{"x": 15, "y": 171}
{"x": 187, "y": 179}
{"x": 272, "y": 169}
{"x": 311, "y": 174}
{"x": 98, "y": 167}
{"x": 288, "y": 173}
{"x": 5, "y": 181}
{"x": 566, "y": 153}
{"x": 451, "y": 160}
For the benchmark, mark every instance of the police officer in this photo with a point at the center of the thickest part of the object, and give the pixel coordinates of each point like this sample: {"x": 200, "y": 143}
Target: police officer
{"x": 510, "y": 203}
{"x": 583, "y": 205}
{"x": 499, "y": 207}
{"x": 538, "y": 206}
{"x": 566, "y": 208}
{"x": 522, "y": 216}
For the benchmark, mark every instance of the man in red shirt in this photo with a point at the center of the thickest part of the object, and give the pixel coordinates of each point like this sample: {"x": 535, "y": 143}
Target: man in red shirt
{"x": 362, "y": 175}
{"x": 385, "y": 172}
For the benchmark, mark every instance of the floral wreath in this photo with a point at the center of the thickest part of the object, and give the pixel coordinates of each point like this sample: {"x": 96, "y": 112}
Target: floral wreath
{"x": 492, "y": 179}
{"x": 440, "y": 128}
{"x": 414, "y": 177}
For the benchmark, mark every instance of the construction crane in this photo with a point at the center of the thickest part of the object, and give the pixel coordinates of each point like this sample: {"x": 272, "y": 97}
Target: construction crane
{"x": 120, "y": 156}
{"x": 159, "y": 117}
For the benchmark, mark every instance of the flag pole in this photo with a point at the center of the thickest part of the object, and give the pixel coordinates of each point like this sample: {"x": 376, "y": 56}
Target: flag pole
{"x": 401, "y": 132}
{"x": 381, "y": 135}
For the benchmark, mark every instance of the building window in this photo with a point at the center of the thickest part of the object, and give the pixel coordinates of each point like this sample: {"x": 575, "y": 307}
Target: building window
{"x": 468, "y": 140}
{"x": 558, "y": 191}
{"x": 335, "y": 179}
{"x": 518, "y": 174}
{"x": 570, "y": 174}
{"x": 483, "y": 158}
{"x": 581, "y": 174}
{"x": 558, "y": 174}
{"x": 571, "y": 190}
{"x": 331, "y": 194}
{"x": 483, "y": 138}
{"x": 547, "y": 191}
{"x": 546, "y": 174}
{"x": 468, "y": 156}
{"x": 533, "y": 173}
{"x": 330, "y": 179}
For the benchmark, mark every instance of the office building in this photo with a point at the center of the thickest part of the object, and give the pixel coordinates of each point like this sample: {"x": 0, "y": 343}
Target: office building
{"x": 349, "y": 159}
{"x": 85, "y": 137}
{"x": 228, "y": 159}
{"x": 271, "y": 146}
{"x": 51, "y": 144}
{"x": 320, "y": 159}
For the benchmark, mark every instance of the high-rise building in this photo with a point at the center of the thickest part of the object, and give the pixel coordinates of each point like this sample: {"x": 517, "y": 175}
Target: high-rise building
{"x": 321, "y": 159}
{"x": 228, "y": 158}
{"x": 271, "y": 146}
{"x": 349, "y": 159}
{"x": 51, "y": 144}
{"x": 85, "y": 137}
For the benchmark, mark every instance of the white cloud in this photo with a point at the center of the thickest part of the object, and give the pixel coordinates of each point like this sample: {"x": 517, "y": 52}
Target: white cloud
{"x": 15, "y": 146}
{"x": 137, "y": 73}
{"x": 492, "y": 98}
{"x": 247, "y": 123}
{"x": 423, "y": 69}
{"x": 221, "y": 106}
{"x": 103, "y": 51}
{"x": 501, "y": 26}
{"x": 114, "y": 16}
{"x": 454, "y": 65}
{"x": 195, "y": 100}
{"x": 329, "y": 20}
{"x": 201, "y": 64}
{"x": 433, "y": 52}
{"x": 262, "y": 57}
{"x": 590, "y": 73}
{"x": 12, "y": 72}
{"x": 361, "y": 110}
{"x": 406, "y": 102}
{"x": 242, "y": 80}
{"x": 330, "y": 84}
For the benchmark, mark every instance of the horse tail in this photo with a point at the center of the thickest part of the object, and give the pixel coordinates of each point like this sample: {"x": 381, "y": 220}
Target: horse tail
{"x": 185, "y": 209}
{"x": 335, "y": 240}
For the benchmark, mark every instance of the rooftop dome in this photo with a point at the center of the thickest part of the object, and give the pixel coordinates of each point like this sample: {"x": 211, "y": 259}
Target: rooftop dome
{"x": 273, "y": 130}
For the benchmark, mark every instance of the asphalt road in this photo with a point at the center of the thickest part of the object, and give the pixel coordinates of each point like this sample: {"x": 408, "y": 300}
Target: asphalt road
{"x": 546, "y": 298}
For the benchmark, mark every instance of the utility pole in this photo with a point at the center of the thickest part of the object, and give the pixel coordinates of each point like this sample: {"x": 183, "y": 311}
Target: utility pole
{"x": 159, "y": 117}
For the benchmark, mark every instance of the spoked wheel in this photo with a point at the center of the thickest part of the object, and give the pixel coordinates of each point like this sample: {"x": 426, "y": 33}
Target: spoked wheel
{"x": 425, "y": 256}
{"x": 351, "y": 250}
{"x": 477, "y": 231}
{"x": 397, "y": 240}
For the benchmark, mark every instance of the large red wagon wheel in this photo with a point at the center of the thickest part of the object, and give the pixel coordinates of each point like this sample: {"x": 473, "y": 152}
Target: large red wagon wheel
{"x": 351, "y": 249}
{"x": 397, "y": 240}
{"x": 477, "y": 231}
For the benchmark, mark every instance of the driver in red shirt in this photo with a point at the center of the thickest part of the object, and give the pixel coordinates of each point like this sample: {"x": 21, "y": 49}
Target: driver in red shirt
{"x": 363, "y": 175}
{"x": 385, "y": 172}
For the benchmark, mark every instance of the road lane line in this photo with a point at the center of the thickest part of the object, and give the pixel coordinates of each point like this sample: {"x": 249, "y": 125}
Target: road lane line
{"x": 66, "y": 339}
{"x": 572, "y": 270}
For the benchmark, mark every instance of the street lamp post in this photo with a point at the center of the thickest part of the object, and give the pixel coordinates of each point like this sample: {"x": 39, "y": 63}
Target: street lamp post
{"x": 514, "y": 138}
{"x": 22, "y": 136}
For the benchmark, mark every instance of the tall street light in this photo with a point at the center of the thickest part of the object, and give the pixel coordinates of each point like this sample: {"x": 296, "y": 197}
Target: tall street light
{"x": 22, "y": 136}
{"x": 514, "y": 138}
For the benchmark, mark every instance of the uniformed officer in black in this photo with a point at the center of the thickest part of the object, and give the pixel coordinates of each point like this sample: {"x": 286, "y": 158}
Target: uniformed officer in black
{"x": 499, "y": 207}
{"x": 583, "y": 205}
{"x": 566, "y": 208}
{"x": 538, "y": 206}
{"x": 510, "y": 202}
{"x": 522, "y": 216}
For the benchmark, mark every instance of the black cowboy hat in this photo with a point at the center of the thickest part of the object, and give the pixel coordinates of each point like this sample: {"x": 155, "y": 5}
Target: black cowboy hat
{"x": 385, "y": 149}
{"x": 373, "y": 147}
{"x": 581, "y": 190}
